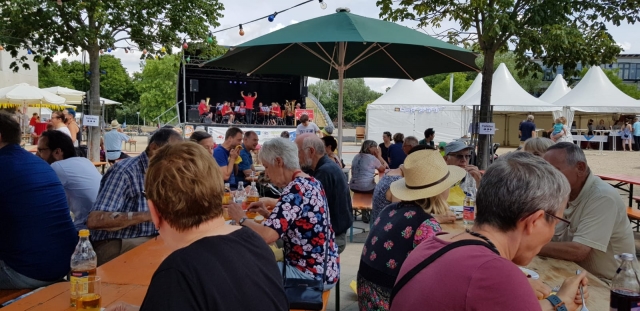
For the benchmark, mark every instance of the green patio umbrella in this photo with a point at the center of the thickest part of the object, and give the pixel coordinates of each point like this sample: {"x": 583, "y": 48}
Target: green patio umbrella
{"x": 345, "y": 45}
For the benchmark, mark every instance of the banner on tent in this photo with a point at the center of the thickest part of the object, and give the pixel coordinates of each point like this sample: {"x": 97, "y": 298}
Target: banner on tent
{"x": 420, "y": 109}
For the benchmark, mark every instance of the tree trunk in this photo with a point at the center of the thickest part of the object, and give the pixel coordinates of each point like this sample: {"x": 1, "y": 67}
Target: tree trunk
{"x": 485, "y": 105}
{"x": 94, "y": 103}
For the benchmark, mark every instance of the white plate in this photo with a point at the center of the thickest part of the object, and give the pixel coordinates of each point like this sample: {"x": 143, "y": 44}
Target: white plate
{"x": 534, "y": 275}
{"x": 458, "y": 209}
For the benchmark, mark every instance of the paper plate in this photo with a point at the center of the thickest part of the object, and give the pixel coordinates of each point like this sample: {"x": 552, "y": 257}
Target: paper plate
{"x": 530, "y": 273}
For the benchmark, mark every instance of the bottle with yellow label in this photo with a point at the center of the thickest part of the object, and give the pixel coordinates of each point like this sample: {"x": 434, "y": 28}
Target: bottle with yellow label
{"x": 226, "y": 198}
{"x": 83, "y": 264}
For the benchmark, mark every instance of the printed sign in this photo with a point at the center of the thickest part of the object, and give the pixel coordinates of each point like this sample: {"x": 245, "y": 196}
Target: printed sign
{"x": 486, "y": 128}
{"x": 89, "y": 120}
{"x": 300, "y": 112}
{"x": 264, "y": 134}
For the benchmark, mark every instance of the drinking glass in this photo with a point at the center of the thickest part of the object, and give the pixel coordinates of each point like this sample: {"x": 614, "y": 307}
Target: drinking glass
{"x": 91, "y": 299}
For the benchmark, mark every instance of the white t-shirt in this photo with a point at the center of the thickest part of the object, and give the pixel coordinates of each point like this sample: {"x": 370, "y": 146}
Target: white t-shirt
{"x": 65, "y": 130}
{"x": 81, "y": 182}
{"x": 311, "y": 128}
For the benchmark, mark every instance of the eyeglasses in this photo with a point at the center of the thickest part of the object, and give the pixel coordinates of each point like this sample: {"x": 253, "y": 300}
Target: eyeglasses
{"x": 558, "y": 218}
{"x": 461, "y": 156}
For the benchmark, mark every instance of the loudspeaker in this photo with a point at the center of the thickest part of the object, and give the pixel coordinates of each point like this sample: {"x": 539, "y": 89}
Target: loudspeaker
{"x": 193, "y": 85}
{"x": 305, "y": 91}
{"x": 193, "y": 116}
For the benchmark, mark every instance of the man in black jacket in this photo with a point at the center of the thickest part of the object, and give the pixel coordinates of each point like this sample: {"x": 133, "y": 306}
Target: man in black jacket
{"x": 314, "y": 161}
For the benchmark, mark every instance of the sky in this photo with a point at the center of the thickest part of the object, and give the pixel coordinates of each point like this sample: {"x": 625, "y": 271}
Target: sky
{"x": 240, "y": 11}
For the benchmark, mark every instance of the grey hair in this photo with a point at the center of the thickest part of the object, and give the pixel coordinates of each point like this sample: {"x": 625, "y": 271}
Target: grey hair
{"x": 280, "y": 148}
{"x": 573, "y": 153}
{"x": 537, "y": 145}
{"x": 313, "y": 141}
{"x": 366, "y": 145}
{"x": 530, "y": 117}
{"x": 517, "y": 185}
{"x": 411, "y": 141}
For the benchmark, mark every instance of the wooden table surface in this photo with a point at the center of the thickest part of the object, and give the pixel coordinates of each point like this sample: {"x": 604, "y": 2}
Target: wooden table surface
{"x": 554, "y": 271}
{"x": 621, "y": 178}
{"x": 135, "y": 267}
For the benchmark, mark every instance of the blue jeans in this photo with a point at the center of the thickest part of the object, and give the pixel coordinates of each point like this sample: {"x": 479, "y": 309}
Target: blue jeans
{"x": 294, "y": 273}
{"x": 10, "y": 279}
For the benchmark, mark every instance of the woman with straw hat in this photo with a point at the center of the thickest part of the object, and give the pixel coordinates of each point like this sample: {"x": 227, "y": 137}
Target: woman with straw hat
{"x": 402, "y": 226}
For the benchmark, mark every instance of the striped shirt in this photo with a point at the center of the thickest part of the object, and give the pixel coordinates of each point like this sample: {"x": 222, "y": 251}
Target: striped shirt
{"x": 121, "y": 191}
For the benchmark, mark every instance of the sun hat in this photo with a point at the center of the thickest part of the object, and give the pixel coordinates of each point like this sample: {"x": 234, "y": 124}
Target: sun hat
{"x": 115, "y": 124}
{"x": 327, "y": 130}
{"x": 426, "y": 175}
{"x": 455, "y": 146}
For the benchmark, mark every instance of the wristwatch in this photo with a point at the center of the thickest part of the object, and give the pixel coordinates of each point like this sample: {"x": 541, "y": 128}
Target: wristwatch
{"x": 558, "y": 304}
{"x": 242, "y": 220}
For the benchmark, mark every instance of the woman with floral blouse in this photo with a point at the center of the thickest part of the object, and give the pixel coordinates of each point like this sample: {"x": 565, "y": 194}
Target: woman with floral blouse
{"x": 402, "y": 226}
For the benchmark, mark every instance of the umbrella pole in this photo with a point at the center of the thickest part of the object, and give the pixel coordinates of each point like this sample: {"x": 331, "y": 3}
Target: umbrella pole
{"x": 341, "y": 54}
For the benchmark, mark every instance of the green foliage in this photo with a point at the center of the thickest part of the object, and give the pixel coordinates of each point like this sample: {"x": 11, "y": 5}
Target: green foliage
{"x": 460, "y": 85}
{"x": 529, "y": 82}
{"x": 356, "y": 96}
{"x": 54, "y": 75}
{"x": 612, "y": 74}
{"x": 157, "y": 87}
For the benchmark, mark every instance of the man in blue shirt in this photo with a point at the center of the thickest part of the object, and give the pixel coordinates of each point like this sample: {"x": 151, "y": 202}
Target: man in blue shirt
{"x": 37, "y": 236}
{"x": 527, "y": 130}
{"x": 120, "y": 218}
{"x": 113, "y": 143}
{"x": 227, "y": 153}
{"x": 245, "y": 168}
{"x": 636, "y": 133}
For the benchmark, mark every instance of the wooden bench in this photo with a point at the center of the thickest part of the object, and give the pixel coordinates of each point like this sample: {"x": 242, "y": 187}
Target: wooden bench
{"x": 131, "y": 142}
{"x": 634, "y": 217}
{"x": 103, "y": 165}
{"x": 360, "y": 202}
{"x": 637, "y": 199}
{"x": 325, "y": 300}
{"x": 10, "y": 294}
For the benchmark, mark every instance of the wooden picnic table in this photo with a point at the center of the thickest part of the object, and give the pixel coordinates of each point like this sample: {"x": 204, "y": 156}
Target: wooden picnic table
{"x": 554, "y": 271}
{"x": 135, "y": 267}
{"x": 623, "y": 180}
{"x": 103, "y": 165}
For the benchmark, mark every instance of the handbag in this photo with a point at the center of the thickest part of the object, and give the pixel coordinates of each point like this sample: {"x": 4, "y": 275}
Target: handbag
{"x": 307, "y": 294}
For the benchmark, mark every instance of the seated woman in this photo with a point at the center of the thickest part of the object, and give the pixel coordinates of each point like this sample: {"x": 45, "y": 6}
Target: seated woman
{"x": 601, "y": 126}
{"x": 203, "y": 139}
{"x": 275, "y": 114}
{"x": 512, "y": 224}
{"x": 330, "y": 146}
{"x": 290, "y": 114}
{"x": 396, "y": 154}
{"x": 299, "y": 218}
{"x": 363, "y": 168}
{"x": 206, "y": 270}
{"x": 537, "y": 145}
{"x": 402, "y": 226}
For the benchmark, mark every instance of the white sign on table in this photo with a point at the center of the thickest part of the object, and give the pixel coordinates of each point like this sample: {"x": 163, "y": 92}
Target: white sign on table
{"x": 90, "y": 120}
{"x": 486, "y": 128}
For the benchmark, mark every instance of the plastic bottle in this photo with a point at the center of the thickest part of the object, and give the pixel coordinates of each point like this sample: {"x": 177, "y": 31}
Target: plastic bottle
{"x": 240, "y": 193}
{"x": 625, "y": 287}
{"x": 226, "y": 199}
{"x": 252, "y": 197}
{"x": 469, "y": 211}
{"x": 83, "y": 264}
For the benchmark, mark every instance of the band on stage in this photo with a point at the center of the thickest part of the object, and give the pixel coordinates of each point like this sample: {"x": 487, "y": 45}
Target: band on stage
{"x": 245, "y": 112}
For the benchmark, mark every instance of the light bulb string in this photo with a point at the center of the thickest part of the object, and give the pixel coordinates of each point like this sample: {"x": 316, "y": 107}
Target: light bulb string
{"x": 261, "y": 18}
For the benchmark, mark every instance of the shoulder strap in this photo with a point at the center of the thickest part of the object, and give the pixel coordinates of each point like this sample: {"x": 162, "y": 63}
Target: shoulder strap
{"x": 427, "y": 261}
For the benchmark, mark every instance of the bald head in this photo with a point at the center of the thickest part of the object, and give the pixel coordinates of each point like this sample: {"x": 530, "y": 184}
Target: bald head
{"x": 310, "y": 150}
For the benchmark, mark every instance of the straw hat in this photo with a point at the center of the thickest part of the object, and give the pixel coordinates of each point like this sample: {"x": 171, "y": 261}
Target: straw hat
{"x": 426, "y": 175}
{"x": 115, "y": 124}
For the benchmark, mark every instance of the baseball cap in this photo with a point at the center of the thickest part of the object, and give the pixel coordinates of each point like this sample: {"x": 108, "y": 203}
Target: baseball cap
{"x": 455, "y": 146}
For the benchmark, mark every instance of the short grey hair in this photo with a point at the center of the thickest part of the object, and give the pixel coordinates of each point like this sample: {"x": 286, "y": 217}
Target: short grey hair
{"x": 313, "y": 141}
{"x": 517, "y": 185}
{"x": 280, "y": 148}
{"x": 411, "y": 141}
{"x": 537, "y": 145}
{"x": 530, "y": 117}
{"x": 573, "y": 151}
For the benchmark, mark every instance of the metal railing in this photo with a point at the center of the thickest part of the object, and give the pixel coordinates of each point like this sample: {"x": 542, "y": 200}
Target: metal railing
{"x": 324, "y": 112}
{"x": 174, "y": 119}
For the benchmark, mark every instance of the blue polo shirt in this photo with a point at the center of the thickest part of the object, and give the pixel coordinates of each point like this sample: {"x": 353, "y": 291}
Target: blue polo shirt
{"x": 37, "y": 236}
{"x": 526, "y": 128}
{"x": 222, "y": 158}
{"x": 396, "y": 155}
{"x": 246, "y": 163}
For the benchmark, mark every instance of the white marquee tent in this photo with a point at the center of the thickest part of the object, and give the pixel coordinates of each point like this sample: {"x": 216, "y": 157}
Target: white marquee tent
{"x": 410, "y": 107}
{"x": 556, "y": 90}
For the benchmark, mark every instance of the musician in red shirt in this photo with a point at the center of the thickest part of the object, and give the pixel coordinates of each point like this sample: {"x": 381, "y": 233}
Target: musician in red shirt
{"x": 276, "y": 112}
{"x": 203, "y": 108}
{"x": 227, "y": 111}
{"x": 248, "y": 99}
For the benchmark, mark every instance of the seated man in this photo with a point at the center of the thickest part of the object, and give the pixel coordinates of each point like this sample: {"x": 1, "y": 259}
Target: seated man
{"x": 458, "y": 154}
{"x": 113, "y": 143}
{"x": 120, "y": 218}
{"x": 227, "y": 153}
{"x": 599, "y": 227}
{"x": 78, "y": 175}
{"x": 37, "y": 236}
{"x": 245, "y": 168}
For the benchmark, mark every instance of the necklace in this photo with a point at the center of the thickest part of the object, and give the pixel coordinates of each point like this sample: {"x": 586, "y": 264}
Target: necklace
{"x": 478, "y": 235}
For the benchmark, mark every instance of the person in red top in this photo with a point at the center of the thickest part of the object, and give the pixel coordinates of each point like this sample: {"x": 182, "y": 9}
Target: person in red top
{"x": 227, "y": 111}
{"x": 248, "y": 100}
{"x": 203, "y": 108}
{"x": 276, "y": 112}
{"x": 34, "y": 119}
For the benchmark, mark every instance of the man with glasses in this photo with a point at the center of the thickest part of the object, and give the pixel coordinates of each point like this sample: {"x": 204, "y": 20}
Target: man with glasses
{"x": 596, "y": 226}
{"x": 458, "y": 153}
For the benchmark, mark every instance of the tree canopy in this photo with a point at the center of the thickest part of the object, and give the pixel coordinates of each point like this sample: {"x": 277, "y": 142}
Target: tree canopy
{"x": 356, "y": 96}
{"x": 157, "y": 87}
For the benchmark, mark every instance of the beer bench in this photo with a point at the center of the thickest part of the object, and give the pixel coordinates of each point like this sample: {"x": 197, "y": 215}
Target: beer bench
{"x": 634, "y": 218}
{"x": 360, "y": 202}
{"x": 637, "y": 199}
{"x": 10, "y": 294}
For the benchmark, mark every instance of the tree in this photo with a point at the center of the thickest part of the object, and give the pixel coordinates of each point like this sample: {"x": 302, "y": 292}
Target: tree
{"x": 356, "y": 94}
{"x": 157, "y": 87}
{"x": 460, "y": 85}
{"x": 612, "y": 74}
{"x": 53, "y": 75}
{"x": 561, "y": 32}
{"x": 94, "y": 25}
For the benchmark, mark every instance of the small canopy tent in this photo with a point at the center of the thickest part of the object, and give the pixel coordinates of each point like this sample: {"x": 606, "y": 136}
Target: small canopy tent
{"x": 511, "y": 105}
{"x": 410, "y": 107}
{"x": 556, "y": 90}
{"x": 69, "y": 94}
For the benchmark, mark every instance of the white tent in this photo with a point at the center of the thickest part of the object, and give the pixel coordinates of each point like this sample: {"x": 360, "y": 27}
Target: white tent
{"x": 25, "y": 94}
{"x": 556, "y": 90}
{"x": 474, "y": 88}
{"x": 410, "y": 107}
{"x": 69, "y": 94}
